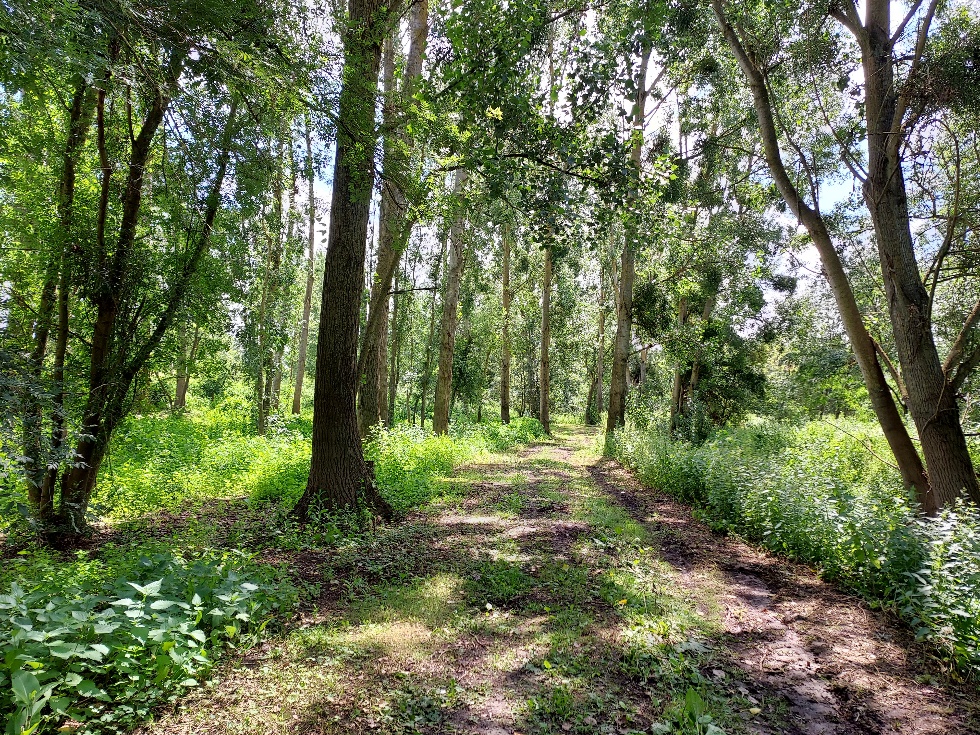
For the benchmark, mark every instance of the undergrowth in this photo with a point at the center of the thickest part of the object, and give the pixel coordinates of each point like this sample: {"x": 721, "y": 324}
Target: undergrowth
{"x": 101, "y": 641}
{"x": 821, "y": 495}
{"x": 102, "y": 638}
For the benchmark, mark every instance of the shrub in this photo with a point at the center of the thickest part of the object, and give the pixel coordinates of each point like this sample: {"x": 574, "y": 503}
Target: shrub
{"x": 817, "y": 493}
{"x": 72, "y": 649}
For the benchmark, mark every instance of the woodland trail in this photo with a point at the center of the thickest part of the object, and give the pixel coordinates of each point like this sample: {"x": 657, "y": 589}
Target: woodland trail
{"x": 545, "y": 591}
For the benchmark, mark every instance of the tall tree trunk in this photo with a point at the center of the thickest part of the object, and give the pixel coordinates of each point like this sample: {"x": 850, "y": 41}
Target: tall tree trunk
{"x": 624, "y": 307}
{"x": 932, "y": 401}
{"x": 340, "y": 479}
{"x": 544, "y": 378}
{"x": 112, "y": 371}
{"x": 904, "y": 451}
{"x": 79, "y": 119}
{"x": 505, "y": 347}
{"x": 304, "y": 327}
{"x": 394, "y": 225}
{"x": 677, "y": 391}
{"x": 450, "y": 305}
{"x": 429, "y": 344}
{"x": 395, "y": 354}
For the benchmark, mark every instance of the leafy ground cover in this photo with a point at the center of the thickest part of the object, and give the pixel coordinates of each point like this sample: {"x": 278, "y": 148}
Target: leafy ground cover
{"x": 822, "y": 494}
{"x": 195, "y": 554}
{"x": 544, "y": 591}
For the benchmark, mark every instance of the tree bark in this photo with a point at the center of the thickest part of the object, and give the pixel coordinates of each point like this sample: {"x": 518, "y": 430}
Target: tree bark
{"x": 304, "y": 327}
{"x": 505, "y": 348}
{"x": 544, "y": 377}
{"x": 340, "y": 479}
{"x": 904, "y": 451}
{"x": 450, "y": 305}
{"x": 619, "y": 379}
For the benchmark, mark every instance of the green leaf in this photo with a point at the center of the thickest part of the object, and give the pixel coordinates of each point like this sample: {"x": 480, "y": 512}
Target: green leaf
{"x": 150, "y": 590}
{"x": 88, "y": 688}
{"x": 25, "y": 686}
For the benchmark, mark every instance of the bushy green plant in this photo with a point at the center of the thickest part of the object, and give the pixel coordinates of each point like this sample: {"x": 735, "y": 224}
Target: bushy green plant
{"x": 823, "y": 494}
{"x": 72, "y": 649}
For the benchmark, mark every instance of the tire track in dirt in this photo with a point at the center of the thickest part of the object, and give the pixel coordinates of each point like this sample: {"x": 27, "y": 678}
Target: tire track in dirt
{"x": 840, "y": 668}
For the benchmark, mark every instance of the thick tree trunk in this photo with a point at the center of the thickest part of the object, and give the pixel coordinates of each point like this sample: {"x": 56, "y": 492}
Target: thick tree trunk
{"x": 450, "y": 305}
{"x": 340, "y": 479}
{"x": 505, "y": 347}
{"x": 904, "y": 451}
{"x": 931, "y": 400}
{"x": 619, "y": 379}
{"x": 544, "y": 377}
{"x": 304, "y": 327}
{"x": 394, "y": 225}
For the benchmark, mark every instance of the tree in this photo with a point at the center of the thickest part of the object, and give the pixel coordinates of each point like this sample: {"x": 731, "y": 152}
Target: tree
{"x": 340, "y": 479}
{"x": 934, "y": 407}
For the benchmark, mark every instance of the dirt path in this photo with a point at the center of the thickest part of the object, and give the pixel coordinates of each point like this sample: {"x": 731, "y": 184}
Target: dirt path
{"x": 546, "y": 592}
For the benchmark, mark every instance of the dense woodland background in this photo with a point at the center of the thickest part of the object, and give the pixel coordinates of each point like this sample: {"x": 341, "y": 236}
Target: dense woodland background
{"x": 320, "y": 255}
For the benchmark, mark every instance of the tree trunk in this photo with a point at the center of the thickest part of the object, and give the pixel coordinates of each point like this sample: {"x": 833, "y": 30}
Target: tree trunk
{"x": 624, "y": 308}
{"x": 427, "y": 367}
{"x": 394, "y": 225}
{"x": 505, "y": 348}
{"x": 677, "y": 393}
{"x": 304, "y": 328}
{"x": 395, "y": 353}
{"x": 112, "y": 372}
{"x": 40, "y": 490}
{"x": 187, "y": 358}
{"x": 450, "y": 304}
{"x": 340, "y": 479}
{"x": 931, "y": 400}
{"x": 906, "y": 455}
{"x": 544, "y": 378}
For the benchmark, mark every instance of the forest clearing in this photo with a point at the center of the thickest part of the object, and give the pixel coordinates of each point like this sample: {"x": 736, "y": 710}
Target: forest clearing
{"x": 489, "y": 366}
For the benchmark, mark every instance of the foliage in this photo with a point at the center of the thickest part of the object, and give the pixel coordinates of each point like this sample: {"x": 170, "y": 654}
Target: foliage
{"x": 819, "y": 494}
{"x": 126, "y": 631}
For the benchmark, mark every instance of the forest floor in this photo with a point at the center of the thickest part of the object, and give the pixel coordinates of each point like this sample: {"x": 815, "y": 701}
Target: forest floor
{"x": 546, "y": 591}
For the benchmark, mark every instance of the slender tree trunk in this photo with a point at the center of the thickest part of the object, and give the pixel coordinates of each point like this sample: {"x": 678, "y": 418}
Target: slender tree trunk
{"x": 396, "y": 330}
{"x": 429, "y": 344}
{"x": 505, "y": 347}
{"x": 340, "y": 479}
{"x": 906, "y": 455}
{"x": 544, "y": 378}
{"x": 600, "y": 353}
{"x": 111, "y": 373}
{"x": 39, "y": 491}
{"x": 188, "y": 355}
{"x": 394, "y": 225}
{"x": 932, "y": 401}
{"x": 447, "y": 332}
{"x": 624, "y": 308}
{"x": 677, "y": 392}
{"x": 304, "y": 328}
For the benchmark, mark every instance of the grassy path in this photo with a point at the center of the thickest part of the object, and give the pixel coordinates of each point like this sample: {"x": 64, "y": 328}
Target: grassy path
{"x": 544, "y": 592}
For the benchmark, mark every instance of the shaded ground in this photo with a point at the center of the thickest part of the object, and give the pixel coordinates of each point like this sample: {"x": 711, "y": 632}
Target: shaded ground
{"x": 546, "y": 592}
